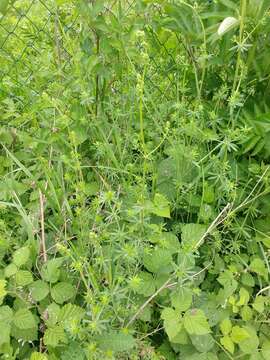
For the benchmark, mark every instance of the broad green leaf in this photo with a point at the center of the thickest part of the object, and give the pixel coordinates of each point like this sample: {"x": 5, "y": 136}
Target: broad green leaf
{"x": 10, "y": 270}
{"x": 181, "y": 298}
{"x": 24, "y": 319}
{"x": 146, "y": 285}
{"x": 69, "y": 313}
{"x": 38, "y": 356}
{"x": 246, "y": 313}
{"x": 250, "y": 344}
{"x": 192, "y": 234}
{"x": 161, "y": 206}
{"x": 266, "y": 349}
{"x": 258, "y": 304}
{"x": 62, "y": 292}
{"x": 226, "y": 326}
{"x": 244, "y": 297}
{"x": 228, "y": 344}
{"x": 3, "y": 291}
{"x": 247, "y": 280}
{"x": 227, "y": 24}
{"x": 23, "y": 278}
{"x": 172, "y": 322}
{"x": 51, "y": 315}
{"x": 195, "y": 322}
{"x": 24, "y": 334}
{"x": 239, "y": 334}
{"x": 158, "y": 261}
{"x": 116, "y": 341}
{"x": 4, "y": 333}
{"x": 39, "y": 290}
{"x": 203, "y": 343}
{"x": 21, "y": 256}
{"x": 50, "y": 271}
{"x": 4, "y": 6}
{"x": 258, "y": 266}
{"x": 55, "y": 336}
{"x": 6, "y": 314}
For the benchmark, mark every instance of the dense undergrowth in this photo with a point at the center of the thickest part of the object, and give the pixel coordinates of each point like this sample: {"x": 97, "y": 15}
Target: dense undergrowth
{"x": 135, "y": 181}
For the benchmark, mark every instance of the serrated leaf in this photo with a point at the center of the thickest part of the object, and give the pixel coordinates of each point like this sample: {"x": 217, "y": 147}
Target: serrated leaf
{"x": 244, "y": 297}
{"x": 158, "y": 261}
{"x": 55, "y": 336}
{"x": 50, "y": 271}
{"x": 228, "y": 344}
{"x": 116, "y": 341}
{"x": 161, "y": 206}
{"x": 250, "y": 344}
{"x": 266, "y": 350}
{"x": 4, "y": 333}
{"x": 226, "y": 326}
{"x": 39, "y": 290}
{"x": 3, "y": 291}
{"x": 23, "y": 278}
{"x": 239, "y": 334}
{"x": 21, "y": 256}
{"x": 70, "y": 312}
{"x": 6, "y": 314}
{"x": 62, "y": 292}
{"x": 172, "y": 322}
{"x": 258, "y": 304}
{"x": 24, "y": 334}
{"x": 24, "y": 319}
{"x": 203, "y": 343}
{"x": 10, "y": 270}
{"x": 146, "y": 286}
{"x": 195, "y": 322}
{"x": 181, "y": 298}
{"x": 51, "y": 314}
{"x": 192, "y": 234}
{"x": 257, "y": 265}
{"x": 4, "y": 6}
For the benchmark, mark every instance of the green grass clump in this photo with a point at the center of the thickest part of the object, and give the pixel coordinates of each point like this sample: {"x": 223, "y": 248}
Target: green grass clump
{"x": 135, "y": 181}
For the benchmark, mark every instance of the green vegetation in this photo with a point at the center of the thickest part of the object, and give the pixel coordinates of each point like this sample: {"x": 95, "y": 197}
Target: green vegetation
{"x": 135, "y": 180}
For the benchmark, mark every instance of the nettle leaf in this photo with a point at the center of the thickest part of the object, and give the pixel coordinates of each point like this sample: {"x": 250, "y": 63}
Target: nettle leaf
{"x": 258, "y": 304}
{"x": 250, "y": 344}
{"x": 69, "y": 313}
{"x": 23, "y": 278}
{"x": 226, "y": 326}
{"x": 181, "y": 298}
{"x": 21, "y": 256}
{"x": 55, "y": 336}
{"x": 62, "y": 292}
{"x": 195, "y": 322}
{"x": 24, "y": 334}
{"x": 50, "y": 271}
{"x": 24, "y": 319}
{"x": 39, "y": 290}
{"x": 203, "y": 343}
{"x": 243, "y": 297}
{"x": 192, "y": 234}
{"x": 116, "y": 341}
{"x": 10, "y": 270}
{"x": 146, "y": 285}
{"x": 3, "y": 291}
{"x": 172, "y": 322}
{"x": 158, "y": 261}
{"x": 239, "y": 334}
{"x": 161, "y": 206}
{"x": 228, "y": 344}
{"x": 258, "y": 266}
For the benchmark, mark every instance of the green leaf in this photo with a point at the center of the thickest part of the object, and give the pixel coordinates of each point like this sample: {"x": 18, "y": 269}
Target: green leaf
{"x": 10, "y": 270}
{"x": 5, "y": 334}
{"x": 203, "y": 343}
{"x": 246, "y": 313}
{"x": 158, "y": 261}
{"x": 172, "y": 322}
{"x": 24, "y": 319}
{"x": 181, "y": 298}
{"x": 55, "y": 336}
{"x": 23, "y": 278}
{"x": 257, "y": 265}
{"x": 3, "y": 291}
{"x": 6, "y": 314}
{"x": 258, "y": 304}
{"x": 161, "y": 206}
{"x": 38, "y": 356}
{"x": 50, "y": 271}
{"x": 244, "y": 297}
{"x": 62, "y": 292}
{"x": 226, "y": 326}
{"x": 250, "y": 344}
{"x": 192, "y": 234}
{"x": 4, "y": 6}
{"x": 248, "y": 280}
{"x": 51, "y": 314}
{"x": 39, "y": 290}
{"x": 116, "y": 341}
{"x": 228, "y": 344}
{"x": 195, "y": 322}
{"x": 146, "y": 285}
{"x": 239, "y": 334}
{"x": 21, "y": 256}
{"x": 70, "y": 313}
{"x": 24, "y": 334}
{"x": 266, "y": 350}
